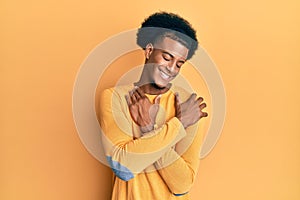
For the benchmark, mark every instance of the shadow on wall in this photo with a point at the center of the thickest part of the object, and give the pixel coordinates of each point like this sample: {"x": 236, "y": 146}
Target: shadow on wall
{"x": 109, "y": 79}
{"x": 105, "y": 183}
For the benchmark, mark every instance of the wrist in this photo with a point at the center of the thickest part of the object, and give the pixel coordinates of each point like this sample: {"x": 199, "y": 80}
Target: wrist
{"x": 147, "y": 128}
{"x": 182, "y": 122}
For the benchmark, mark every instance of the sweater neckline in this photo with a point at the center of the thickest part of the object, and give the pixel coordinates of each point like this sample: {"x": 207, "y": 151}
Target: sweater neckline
{"x": 154, "y": 95}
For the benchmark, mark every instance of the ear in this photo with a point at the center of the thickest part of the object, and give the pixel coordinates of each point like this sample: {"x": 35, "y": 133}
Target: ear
{"x": 148, "y": 50}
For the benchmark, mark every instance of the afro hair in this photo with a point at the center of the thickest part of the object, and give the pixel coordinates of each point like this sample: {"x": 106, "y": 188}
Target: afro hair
{"x": 163, "y": 24}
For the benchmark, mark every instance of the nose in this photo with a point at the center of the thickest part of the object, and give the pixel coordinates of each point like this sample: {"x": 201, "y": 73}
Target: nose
{"x": 171, "y": 67}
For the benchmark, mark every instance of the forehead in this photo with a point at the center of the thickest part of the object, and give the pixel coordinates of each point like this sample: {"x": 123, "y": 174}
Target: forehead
{"x": 173, "y": 47}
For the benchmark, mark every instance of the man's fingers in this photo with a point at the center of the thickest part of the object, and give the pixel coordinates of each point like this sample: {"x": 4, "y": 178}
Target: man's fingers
{"x": 130, "y": 92}
{"x": 133, "y": 97}
{"x": 157, "y": 99}
{"x": 128, "y": 100}
{"x": 199, "y": 100}
{"x": 192, "y": 97}
{"x": 153, "y": 111}
{"x": 177, "y": 104}
{"x": 202, "y": 105}
{"x": 140, "y": 92}
{"x": 177, "y": 99}
{"x": 137, "y": 96}
{"x": 204, "y": 114}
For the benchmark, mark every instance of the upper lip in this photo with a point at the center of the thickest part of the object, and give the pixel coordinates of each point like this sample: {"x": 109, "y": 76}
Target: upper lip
{"x": 166, "y": 73}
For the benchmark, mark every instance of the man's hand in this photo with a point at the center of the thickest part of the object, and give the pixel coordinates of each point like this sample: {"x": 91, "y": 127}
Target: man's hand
{"x": 190, "y": 111}
{"x": 142, "y": 111}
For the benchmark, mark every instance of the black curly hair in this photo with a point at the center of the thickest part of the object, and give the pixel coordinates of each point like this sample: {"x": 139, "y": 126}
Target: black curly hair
{"x": 164, "y": 24}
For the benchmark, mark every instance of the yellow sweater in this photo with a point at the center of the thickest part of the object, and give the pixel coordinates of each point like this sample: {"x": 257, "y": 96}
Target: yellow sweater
{"x": 159, "y": 165}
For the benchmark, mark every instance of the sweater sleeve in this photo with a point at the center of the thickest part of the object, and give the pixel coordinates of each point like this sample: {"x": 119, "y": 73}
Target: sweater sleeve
{"x": 178, "y": 166}
{"x": 126, "y": 154}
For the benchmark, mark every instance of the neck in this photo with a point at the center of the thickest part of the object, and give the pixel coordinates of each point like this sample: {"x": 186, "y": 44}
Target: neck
{"x": 149, "y": 87}
{"x": 152, "y": 88}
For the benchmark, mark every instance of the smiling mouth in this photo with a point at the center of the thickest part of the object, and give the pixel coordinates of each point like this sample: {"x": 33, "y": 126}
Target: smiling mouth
{"x": 164, "y": 75}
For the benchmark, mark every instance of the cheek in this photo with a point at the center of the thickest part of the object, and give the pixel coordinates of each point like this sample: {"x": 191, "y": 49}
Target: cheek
{"x": 177, "y": 70}
{"x": 158, "y": 59}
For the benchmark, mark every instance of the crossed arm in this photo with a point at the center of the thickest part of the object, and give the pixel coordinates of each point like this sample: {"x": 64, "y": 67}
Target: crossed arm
{"x": 173, "y": 148}
{"x": 178, "y": 165}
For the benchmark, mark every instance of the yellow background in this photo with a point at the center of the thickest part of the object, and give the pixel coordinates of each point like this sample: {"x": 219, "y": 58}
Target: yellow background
{"x": 255, "y": 44}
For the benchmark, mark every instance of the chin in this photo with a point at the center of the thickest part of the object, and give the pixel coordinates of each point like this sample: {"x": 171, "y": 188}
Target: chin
{"x": 159, "y": 85}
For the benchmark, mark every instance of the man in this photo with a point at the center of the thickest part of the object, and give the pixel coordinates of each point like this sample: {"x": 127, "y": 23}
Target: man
{"x": 152, "y": 133}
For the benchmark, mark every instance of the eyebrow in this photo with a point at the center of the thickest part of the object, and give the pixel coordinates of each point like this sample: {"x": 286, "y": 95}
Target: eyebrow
{"x": 168, "y": 53}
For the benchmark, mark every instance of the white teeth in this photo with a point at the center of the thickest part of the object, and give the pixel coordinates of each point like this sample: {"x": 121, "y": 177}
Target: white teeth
{"x": 164, "y": 76}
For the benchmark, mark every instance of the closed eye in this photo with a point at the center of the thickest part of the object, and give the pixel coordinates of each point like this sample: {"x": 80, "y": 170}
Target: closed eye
{"x": 179, "y": 64}
{"x": 167, "y": 57}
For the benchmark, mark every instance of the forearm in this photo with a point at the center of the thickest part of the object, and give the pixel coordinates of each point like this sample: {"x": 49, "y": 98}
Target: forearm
{"x": 179, "y": 165}
{"x": 137, "y": 154}
{"x": 177, "y": 172}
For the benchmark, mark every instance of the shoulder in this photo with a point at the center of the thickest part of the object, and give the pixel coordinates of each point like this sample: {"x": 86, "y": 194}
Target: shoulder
{"x": 114, "y": 97}
{"x": 117, "y": 91}
{"x": 183, "y": 93}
